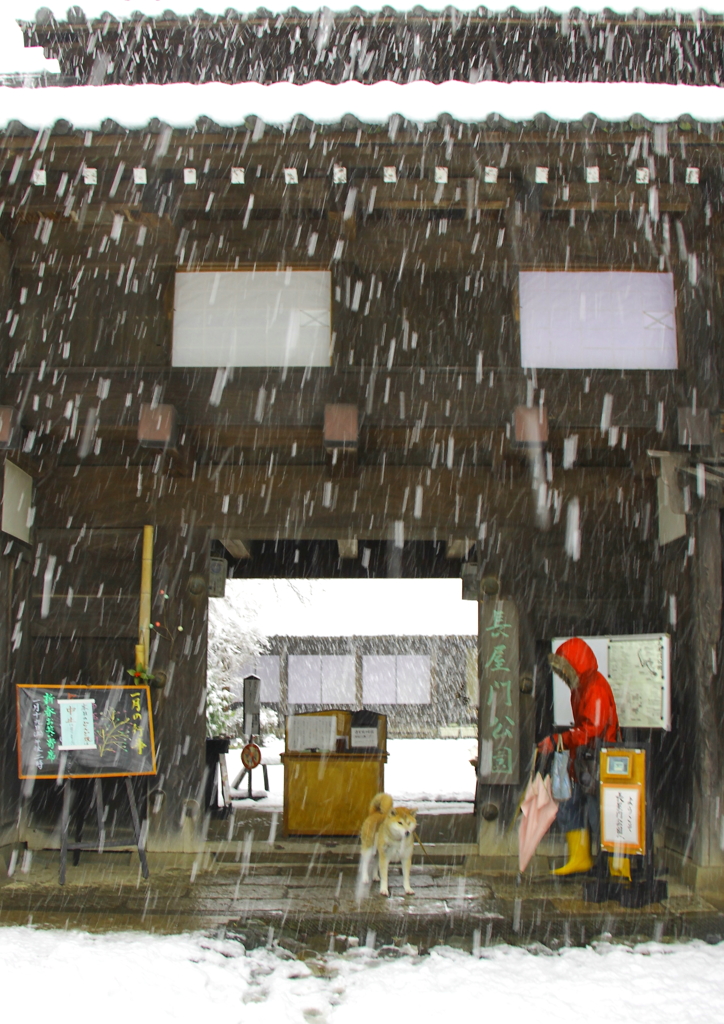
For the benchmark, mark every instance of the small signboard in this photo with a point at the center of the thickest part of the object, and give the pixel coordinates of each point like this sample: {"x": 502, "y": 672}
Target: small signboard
{"x": 621, "y": 817}
{"x": 218, "y": 569}
{"x": 82, "y": 732}
{"x": 365, "y": 737}
{"x": 623, "y": 800}
{"x": 77, "y": 731}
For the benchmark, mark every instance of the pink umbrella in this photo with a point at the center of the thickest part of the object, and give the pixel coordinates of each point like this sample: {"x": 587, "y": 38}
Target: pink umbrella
{"x": 539, "y": 810}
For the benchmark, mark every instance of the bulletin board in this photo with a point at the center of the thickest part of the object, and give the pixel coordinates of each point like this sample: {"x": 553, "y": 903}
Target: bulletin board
{"x": 81, "y": 732}
{"x": 638, "y": 667}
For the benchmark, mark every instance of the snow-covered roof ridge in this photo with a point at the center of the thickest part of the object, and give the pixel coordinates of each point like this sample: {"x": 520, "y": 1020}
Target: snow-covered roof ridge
{"x": 123, "y": 10}
{"x": 182, "y": 105}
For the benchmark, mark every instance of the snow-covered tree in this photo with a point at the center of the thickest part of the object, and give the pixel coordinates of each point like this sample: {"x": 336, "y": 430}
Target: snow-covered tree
{"x": 234, "y": 637}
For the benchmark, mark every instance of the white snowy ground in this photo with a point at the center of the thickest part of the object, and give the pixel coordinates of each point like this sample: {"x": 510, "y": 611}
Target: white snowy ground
{"x": 71, "y": 977}
{"x": 431, "y": 774}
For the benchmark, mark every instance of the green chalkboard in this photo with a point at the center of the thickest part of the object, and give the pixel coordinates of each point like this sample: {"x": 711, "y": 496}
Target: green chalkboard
{"x": 82, "y": 732}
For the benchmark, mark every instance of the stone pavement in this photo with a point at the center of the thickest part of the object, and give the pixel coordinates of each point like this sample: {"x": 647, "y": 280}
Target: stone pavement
{"x": 307, "y": 902}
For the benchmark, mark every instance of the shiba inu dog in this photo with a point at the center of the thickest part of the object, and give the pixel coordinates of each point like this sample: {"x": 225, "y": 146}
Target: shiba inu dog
{"x": 388, "y": 832}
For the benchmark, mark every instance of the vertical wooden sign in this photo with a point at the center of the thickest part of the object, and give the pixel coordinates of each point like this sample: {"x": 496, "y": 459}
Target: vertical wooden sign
{"x": 499, "y": 709}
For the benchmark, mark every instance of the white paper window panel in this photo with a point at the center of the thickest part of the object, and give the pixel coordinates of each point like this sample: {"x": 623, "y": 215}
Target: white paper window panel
{"x": 379, "y": 679}
{"x": 562, "y": 711}
{"x": 304, "y": 679}
{"x": 396, "y": 679}
{"x": 252, "y": 318}
{"x": 413, "y": 679}
{"x": 338, "y": 679}
{"x": 266, "y": 666}
{"x": 597, "y": 320}
{"x": 17, "y": 500}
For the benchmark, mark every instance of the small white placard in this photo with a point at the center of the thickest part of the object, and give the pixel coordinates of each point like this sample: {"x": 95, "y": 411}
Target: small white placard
{"x": 90, "y": 175}
{"x": 237, "y": 176}
{"x": 17, "y": 502}
{"x": 692, "y": 175}
{"x": 291, "y": 176}
{"x": 592, "y": 177}
{"x": 139, "y": 176}
{"x": 339, "y": 174}
{"x": 389, "y": 175}
{"x": 189, "y": 175}
{"x": 364, "y": 736}
{"x": 441, "y": 175}
{"x": 490, "y": 175}
{"x": 642, "y": 175}
{"x": 76, "y": 725}
{"x": 311, "y": 732}
{"x": 621, "y": 820}
{"x": 541, "y": 175}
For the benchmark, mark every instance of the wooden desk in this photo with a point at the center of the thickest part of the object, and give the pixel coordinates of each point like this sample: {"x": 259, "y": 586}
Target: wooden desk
{"x": 329, "y": 794}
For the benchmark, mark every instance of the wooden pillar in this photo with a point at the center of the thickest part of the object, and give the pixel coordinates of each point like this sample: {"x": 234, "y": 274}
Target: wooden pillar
{"x": 498, "y": 719}
{"x": 705, "y": 849}
{"x": 178, "y": 657}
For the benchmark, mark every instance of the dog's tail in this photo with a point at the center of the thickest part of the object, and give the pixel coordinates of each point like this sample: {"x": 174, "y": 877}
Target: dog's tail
{"x": 381, "y": 804}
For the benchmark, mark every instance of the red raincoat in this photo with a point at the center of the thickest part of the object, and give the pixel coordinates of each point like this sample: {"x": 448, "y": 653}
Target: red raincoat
{"x": 594, "y": 707}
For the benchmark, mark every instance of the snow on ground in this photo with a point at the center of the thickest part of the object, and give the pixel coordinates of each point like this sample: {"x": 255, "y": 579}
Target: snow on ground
{"x": 431, "y": 774}
{"x": 70, "y": 976}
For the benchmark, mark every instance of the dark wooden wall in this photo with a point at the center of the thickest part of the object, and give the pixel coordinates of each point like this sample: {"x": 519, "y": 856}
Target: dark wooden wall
{"x": 435, "y": 415}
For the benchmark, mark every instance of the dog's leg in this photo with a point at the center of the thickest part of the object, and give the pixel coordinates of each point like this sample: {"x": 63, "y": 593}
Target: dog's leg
{"x": 406, "y": 865}
{"x": 384, "y": 865}
{"x": 376, "y": 869}
{"x": 364, "y": 864}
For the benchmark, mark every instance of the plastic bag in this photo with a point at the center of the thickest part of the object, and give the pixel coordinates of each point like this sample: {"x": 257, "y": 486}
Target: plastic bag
{"x": 561, "y": 786}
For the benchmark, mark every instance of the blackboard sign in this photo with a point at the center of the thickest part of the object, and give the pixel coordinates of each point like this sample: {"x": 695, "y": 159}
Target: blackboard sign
{"x": 83, "y": 732}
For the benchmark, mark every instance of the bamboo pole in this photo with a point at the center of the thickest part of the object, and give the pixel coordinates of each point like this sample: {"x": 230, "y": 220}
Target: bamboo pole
{"x": 144, "y": 609}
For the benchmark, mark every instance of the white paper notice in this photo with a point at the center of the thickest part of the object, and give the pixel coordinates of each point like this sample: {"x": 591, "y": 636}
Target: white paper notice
{"x": 621, "y": 819}
{"x": 312, "y": 732}
{"x": 76, "y": 725}
{"x": 364, "y": 736}
{"x": 637, "y": 668}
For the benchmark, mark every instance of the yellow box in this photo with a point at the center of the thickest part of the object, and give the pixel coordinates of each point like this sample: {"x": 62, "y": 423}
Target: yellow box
{"x": 328, "y": 794}
{"x": 623, "y": 800}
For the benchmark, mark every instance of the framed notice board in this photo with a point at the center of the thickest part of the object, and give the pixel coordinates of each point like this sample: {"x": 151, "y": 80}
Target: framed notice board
{"x": 84, "y": 732}
{"x": 638, "y": 667}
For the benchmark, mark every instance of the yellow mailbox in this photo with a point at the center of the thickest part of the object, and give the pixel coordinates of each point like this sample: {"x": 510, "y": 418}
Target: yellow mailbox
{"x": 623, "y": 801}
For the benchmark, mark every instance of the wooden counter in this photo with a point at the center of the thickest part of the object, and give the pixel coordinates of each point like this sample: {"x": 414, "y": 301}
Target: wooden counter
{"x": 329, "y": 794}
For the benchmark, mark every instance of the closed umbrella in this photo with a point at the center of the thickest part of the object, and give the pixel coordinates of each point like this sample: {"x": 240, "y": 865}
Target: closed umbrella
{"x": 538, "y": 810}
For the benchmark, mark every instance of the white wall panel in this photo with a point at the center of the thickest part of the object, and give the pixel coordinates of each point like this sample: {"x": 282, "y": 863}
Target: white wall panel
{"x": 379, "y": 685}
{"x": 304, "y": 679}
{"x": 252, "y": 318}
{"x": 413, "y": 679}
{"x": 338, "y": 682}
{"x": 597, "y": 320}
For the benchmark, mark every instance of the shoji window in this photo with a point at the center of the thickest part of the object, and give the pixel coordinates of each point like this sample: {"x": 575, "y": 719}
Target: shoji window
{"x": 252, "y": 318}
{"x": 321, "y": 679}
{"x": 620, "y": 320}
{"x": 396, "y": 679}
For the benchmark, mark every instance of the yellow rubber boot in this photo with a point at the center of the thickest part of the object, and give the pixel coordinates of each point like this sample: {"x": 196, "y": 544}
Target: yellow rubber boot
{"x": 620, "y": 867}
{"x": 579, "y": 853}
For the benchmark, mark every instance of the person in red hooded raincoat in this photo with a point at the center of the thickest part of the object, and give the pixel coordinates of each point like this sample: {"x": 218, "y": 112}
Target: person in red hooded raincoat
{"x": 595, "y": 722}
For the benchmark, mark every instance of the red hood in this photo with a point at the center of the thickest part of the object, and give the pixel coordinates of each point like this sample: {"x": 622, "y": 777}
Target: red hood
{"x": 579, "y": 654}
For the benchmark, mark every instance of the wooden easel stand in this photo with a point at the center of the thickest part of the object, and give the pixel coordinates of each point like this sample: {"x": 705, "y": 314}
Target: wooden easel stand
{"x": 101, "y": 844}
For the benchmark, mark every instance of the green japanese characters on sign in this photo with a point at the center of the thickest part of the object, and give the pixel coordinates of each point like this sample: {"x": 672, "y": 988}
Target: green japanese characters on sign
{"x": 499, "y": 690}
